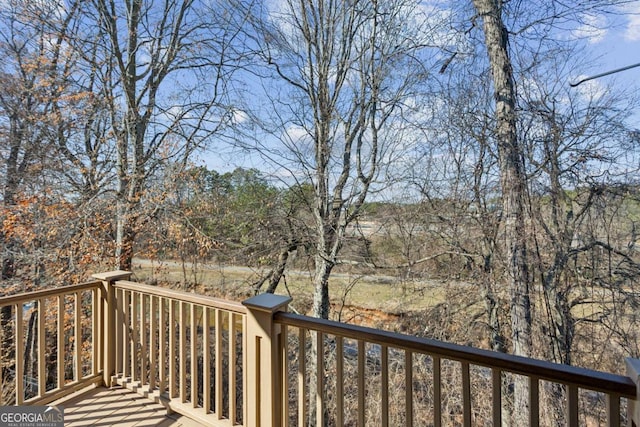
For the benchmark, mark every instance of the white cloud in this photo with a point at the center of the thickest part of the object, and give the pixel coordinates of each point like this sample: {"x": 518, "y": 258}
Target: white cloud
{"x": 591, "y": 90}
{"x": 632, "y": 30}
{"x": 432, "y": 22}
{"x": 593, "y": 28}
{"x": 238, "y": 116}
{"x": 296, "y": 134}
{"x": 280, "y": 14}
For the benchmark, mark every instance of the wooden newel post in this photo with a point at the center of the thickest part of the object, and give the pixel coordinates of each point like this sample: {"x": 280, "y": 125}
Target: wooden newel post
{"x": 108, "y": 319}
{"x": 263, "y": 395}
{"x": 633, "y": 372}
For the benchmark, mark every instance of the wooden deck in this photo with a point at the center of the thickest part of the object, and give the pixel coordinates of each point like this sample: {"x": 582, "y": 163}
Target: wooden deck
{"x": 247, "y": 354}
{"x": 118, "y": 407}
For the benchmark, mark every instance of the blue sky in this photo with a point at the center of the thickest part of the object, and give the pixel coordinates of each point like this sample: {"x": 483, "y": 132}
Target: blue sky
{"x": 613, "y": 41}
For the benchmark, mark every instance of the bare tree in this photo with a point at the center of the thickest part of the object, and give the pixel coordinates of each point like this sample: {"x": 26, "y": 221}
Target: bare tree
{"x": 31, "y": 44}
{"x": 164, "y": 72}
{"x": 341, "y": 72}
{"x": 513, "y": 179}
{"x": 576, "y": 148}
{"x": 502, "y": 24}
{"x": 513, "y": 183}
{"x": 570, "y": 137}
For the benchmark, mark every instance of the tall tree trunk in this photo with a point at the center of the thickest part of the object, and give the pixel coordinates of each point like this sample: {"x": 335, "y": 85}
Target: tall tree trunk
{"x": 512, "y": 179}
{"x": 278, "y": 271}
{"x": 321, "y": 308}
{"x": 14, "y": 172}
{"x": 562, "y": 322}
{"x": 321, "y": 302}
{"x": 492, "y": 305}
{"x": 125, "y": 236}
{"x": 560, "y": 334}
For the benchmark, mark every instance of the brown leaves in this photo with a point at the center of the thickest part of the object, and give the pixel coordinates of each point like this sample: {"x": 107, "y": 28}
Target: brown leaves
{"x": 54, "y": 239}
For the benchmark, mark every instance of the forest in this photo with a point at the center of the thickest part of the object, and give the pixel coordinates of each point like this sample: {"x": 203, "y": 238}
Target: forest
{"x": 422, "y": 142}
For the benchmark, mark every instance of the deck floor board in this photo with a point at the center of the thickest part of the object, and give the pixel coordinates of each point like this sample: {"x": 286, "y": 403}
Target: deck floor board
{"x": 120, "y": 407}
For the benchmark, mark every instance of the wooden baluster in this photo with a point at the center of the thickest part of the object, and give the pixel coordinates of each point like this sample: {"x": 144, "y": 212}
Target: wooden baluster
{"x": 283, "y": 346}
{"x": 496, "y": 375}
{"x": 302, "y": 383}
{"x": 135, "y": 298}
{"x": 42, "y": 372}
{"x": 206, "y": 360}
{"x": 245, "y": 370}
{"x": 218, "y": 375}
{"x": 384, "y": 384}
{"x": 437, "y": 392}
{"x": 534, "y": 401}
{"x": 162, "y": 345}
{"x": 319, "y": 378}
{"x": 193, "y": 329}
{"x": 95, "y": 334}
{"x": 408, "y": 381}
{"x": 144, "y": 349}
{"x": 361, "y": 390}
{"x": 120, "y": 339}
{"x": 19, "y": 352}
{"x": 466, "y": 395}
{"x": 127, "y": 342}
{"x": 340, "y": 381}
{"x": 172, "y": 349}
{"x": 153, "y": 341}
{"x": 232, "y": 369}
{"x": 613, "y": 410}
{"x": 78, "y": 337}
{"x": 60, "y": 339}
{"x": 572, "y": 405}
{"x": 183, "y": 352}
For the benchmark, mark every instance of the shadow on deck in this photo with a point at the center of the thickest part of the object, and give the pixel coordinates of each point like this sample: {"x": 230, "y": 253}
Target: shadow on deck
{"x": 120, "y": 407}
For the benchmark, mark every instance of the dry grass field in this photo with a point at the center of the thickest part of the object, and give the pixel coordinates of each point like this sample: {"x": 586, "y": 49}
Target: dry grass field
{"x": 368, "y": 292}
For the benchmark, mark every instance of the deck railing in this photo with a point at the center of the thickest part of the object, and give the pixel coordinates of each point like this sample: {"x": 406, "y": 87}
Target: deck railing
{"x": 254, "y": 364}
{"x": 375, "y": 356}
{"x": 50, "y": 342}
{"x": 183, "y": 349}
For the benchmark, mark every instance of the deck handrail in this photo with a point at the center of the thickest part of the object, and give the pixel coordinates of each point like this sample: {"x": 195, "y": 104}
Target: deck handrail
{"x": 183, "y": 349}
{"x": 41, "y": 304}
{"x": 582, "y": 377}
{"x": 202, "y": 300}
{"x": 47, "y": 293}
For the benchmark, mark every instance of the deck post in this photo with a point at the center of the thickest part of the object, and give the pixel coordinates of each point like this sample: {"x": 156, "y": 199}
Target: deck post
{"x": 633, "y": 406}
{"x": 108, "y": 328}
{"x": 264, "y": 403}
